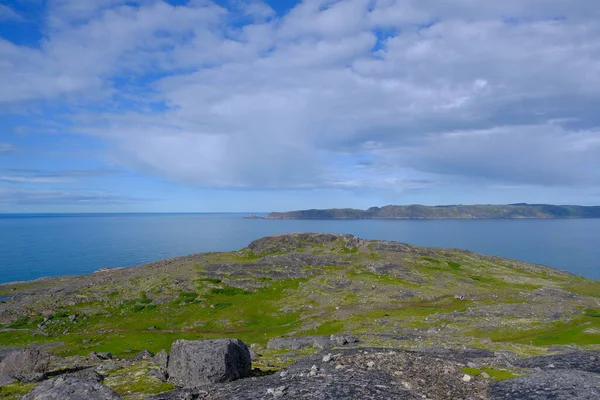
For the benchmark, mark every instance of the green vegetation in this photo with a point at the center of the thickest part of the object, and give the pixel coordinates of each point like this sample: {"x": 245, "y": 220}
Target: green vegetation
{"x": 388, "y": 296}
{"x": 15, "y": 391}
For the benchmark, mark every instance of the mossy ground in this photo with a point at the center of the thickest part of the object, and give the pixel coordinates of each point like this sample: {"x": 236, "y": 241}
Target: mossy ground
{"x": 389, "y": 298}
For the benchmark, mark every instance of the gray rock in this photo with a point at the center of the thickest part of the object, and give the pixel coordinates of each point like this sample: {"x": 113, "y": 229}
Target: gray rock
{"x": 161, "y": 358}
{"x": 71, "y": 388}
{"x": 6, "y": 380}
{"x": 558, "y": 384}
{"x": 159, "y": 374}
{"x": 100, "y": 356}
{"x": 581, "y": 360}
{"x": 341, "y": 340}
{"x": 322, "y": 342}
{"x": 144, "y": 355}
{"x": 296, "y": 343}
{"x": 197, "y": 363}
{"x": 26, "y": 364}
{"x": 72, "y": 318}
{"x": 338, "y": 340}
{"x": 88, "y": 374}
{"x": 179, "y": 394}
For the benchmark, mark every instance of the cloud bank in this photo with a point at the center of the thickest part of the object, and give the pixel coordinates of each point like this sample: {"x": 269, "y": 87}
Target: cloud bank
{"x": 384, "y": 94}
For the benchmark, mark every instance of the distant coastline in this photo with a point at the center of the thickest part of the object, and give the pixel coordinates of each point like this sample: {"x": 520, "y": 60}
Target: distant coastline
{"x": 417, "y": 211}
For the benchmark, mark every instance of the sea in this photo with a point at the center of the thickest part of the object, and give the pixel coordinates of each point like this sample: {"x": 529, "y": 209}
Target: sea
{"x": 41, "y": 245}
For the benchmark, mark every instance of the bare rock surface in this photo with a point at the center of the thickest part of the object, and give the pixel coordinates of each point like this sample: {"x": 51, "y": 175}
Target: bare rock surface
{"x": 26, "y": 364}
{"x": 579, "y": 360}
{"x": 71, "y": 388}
{"x": 546, "y": 385}
{"x": 196, "y": 363}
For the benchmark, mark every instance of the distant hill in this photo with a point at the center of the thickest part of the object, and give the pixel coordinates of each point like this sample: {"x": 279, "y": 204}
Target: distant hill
{"x": 416, "y": 211}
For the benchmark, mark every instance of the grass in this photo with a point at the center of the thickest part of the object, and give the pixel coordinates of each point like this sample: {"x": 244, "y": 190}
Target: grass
{"x": 494, "y": 373}
{"x": 15, "y": 391}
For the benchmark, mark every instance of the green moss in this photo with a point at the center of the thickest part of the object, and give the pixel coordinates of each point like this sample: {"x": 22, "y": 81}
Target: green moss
{"x": 16, "y": 390}
{"x": 454, "y": 265}
{"x": 593, "y": 312}
{"x": 499, "y": 374}
{"x": 229, "y": 291}
{"x": 471, "y": 371}
{"x": 209, "y": 280}
{"x": 20, "y": 322}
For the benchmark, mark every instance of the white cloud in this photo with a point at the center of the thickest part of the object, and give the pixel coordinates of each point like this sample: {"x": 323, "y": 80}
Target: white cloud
{"x": 6, "y": 148}
{"x": 8, "y": 14}
{"x": 428, "y": 90}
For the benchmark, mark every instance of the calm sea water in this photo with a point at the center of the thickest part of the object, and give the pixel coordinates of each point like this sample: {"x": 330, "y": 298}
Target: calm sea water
{"x": 33, "y": 246}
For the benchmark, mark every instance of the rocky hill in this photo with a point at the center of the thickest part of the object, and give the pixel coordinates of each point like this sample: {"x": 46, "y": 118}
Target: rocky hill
{"x": 324, "y": 317}
{"x": 417, "y": 211}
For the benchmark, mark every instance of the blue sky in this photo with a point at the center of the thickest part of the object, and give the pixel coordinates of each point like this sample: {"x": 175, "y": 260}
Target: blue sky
{"x": 245, "y": 105}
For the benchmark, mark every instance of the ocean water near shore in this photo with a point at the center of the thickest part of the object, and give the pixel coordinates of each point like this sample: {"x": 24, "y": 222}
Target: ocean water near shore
{"x": 34, "y": 246}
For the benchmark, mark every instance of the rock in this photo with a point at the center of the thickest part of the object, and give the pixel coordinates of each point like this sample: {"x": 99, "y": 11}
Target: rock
{"x": 467, "y": 378}
{"x": 26, "y": 365}
{"x": 84, "y": 341}
{"x": 485, "y": 375}
{"x": 72, "y": 318}
{"x": 161, "y": 358}
{"x": 327, "y": 358}
{"x": 341, "y": 340}
{"x": 144, "y": 355}
{"x": 290, "y": 343}
{"x": 582, "y": 360}
{"x": 321, "y": 342}
{"x": 471, "y": 364}
{"x": 338, "y": 340}
{"x": 71, "y": 388}
{"x": 179, "y": 394}
{"x": 313, "y": 370}
{"x": 196, "y": 363}
{"x": 159, "y": 374}
{"x": 557, "y": 384}
{"x": 88, "y": 374}
{"x": 6, "y": 380}
{"x": 100, "y": 356}
{"x": 279, "y": 392}
{"x": 371, "y": 364}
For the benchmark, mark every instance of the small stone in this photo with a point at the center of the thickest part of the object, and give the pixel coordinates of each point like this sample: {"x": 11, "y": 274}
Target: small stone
{"x": 550, "y": 365}
{"x": 72, "y": 318}
{"x": 327, "y": 358}
{"x": 485, "y": 375}
{"x": 86, "y": 341}
{"x": 467, "y": 378}
{"x": 471, "y": 364}
{"x": 313, "y": 370}
{"x": 339, "y": 366}
{"x": 283, "y": 374}
{"x": 371, "y": 364}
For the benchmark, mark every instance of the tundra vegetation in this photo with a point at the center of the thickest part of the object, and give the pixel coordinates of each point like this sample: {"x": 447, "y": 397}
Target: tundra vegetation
{"x": 390, "y": 295}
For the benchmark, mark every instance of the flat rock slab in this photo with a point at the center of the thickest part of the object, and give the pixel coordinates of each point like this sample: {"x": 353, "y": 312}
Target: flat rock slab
{"x": 26, "y": 364}
{"x": 197, "y": 363}
{"x": 559, "y": 385}
{"x": 582, "y": 360}
{"x": 71, "y": 388}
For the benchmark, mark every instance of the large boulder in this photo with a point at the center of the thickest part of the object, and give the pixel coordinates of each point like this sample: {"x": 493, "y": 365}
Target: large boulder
{"x": 71, "y": 388}
{"x": 197, "y": 363}
{"x": 26, "y": 364}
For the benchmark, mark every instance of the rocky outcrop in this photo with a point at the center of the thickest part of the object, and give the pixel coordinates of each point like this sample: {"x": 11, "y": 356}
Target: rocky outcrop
{"x": 71, "y": 388}
{"x": 320, "y": 342}
{"x": 559, "y": 384}
{"x": 26, "y": 364}
{"x": 196, "y": 363}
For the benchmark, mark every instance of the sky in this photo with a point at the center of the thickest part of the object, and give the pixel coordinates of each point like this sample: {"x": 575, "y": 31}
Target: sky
{"x": 255, "y": 106}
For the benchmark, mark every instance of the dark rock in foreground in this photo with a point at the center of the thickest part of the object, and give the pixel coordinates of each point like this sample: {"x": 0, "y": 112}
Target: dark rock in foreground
{"x": 71, "y": 388}
{"x": 196, "y": 363}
